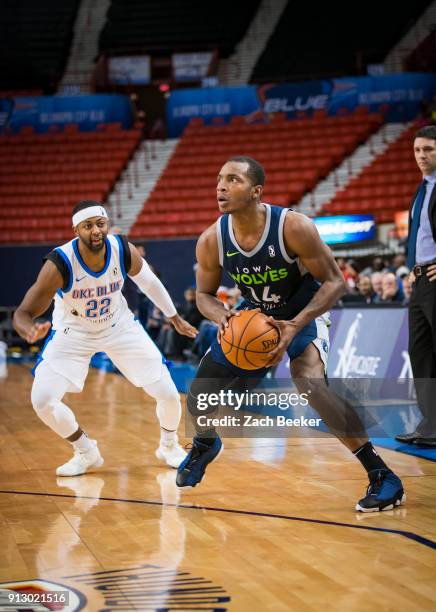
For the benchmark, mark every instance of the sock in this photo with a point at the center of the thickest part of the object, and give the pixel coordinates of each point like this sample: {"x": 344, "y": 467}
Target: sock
{"x": 369, "y": 458}
{"x": 82, "y": 443}
{"x": 167, "y": 436}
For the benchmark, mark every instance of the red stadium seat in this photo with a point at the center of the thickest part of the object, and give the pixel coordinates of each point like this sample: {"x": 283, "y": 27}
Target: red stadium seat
{"x": 292, "y": 167}
{"x": 43, "y": 175}
{"x": 385, "y": 186}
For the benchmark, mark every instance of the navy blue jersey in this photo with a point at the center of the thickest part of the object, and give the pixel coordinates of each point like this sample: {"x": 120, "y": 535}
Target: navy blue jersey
{"x": 269, "y": 278}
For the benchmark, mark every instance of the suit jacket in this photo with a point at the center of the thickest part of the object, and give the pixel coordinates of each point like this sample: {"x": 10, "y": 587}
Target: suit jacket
{"x": 431, "y": 211}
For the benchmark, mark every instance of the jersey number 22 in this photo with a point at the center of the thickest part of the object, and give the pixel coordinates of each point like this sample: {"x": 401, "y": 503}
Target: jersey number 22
{"x": 96, "y": 308}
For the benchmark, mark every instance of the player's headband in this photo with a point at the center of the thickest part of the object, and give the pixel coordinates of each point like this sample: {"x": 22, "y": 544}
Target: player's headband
{"x": 87, "y": 213}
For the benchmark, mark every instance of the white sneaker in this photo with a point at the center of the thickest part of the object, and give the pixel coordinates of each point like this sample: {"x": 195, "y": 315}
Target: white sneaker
{"x": 81, "y": 461}
{"x": 171, "y": 452}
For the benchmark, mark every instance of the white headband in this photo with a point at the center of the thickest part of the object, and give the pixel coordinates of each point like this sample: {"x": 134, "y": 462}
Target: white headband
{"x": 87, "y": 213}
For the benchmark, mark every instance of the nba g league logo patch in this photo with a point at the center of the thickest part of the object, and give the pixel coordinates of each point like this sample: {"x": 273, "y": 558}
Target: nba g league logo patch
{"x": 147, "y": 587}
{"x": 271, "y": 250}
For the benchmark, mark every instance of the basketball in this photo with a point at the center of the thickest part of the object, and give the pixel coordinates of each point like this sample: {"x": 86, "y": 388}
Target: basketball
{"x": 248, "y": 340}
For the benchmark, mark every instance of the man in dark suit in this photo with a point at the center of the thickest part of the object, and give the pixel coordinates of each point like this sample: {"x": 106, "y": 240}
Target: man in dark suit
{"x": 421, "y": 260}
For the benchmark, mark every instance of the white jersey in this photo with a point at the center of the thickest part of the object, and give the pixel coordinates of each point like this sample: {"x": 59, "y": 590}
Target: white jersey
{"x": 91, "y": 301}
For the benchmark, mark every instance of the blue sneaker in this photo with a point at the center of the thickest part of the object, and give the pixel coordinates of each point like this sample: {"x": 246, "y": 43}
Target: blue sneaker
{"x": 385, "y": 491}
{"x": 191, "y": 471}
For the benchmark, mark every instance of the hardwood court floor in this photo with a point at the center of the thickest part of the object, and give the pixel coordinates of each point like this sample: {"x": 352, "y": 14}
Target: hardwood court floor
{"x": 272, "y": 527}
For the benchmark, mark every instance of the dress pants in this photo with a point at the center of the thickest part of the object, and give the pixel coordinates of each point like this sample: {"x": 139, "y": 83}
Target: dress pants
{"x": 422, "y": 351}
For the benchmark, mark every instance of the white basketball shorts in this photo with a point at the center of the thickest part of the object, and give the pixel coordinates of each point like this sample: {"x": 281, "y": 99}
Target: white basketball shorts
{"x": 68, "y": 352}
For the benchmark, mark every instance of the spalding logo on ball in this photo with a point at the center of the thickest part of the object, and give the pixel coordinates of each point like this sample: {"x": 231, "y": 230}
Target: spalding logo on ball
{"x": 248, "y": 340}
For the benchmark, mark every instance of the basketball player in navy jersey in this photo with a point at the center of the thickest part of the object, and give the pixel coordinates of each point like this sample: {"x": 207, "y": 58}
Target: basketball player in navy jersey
{"x": 280, "y": 264}
{"x": 85, "y": 277}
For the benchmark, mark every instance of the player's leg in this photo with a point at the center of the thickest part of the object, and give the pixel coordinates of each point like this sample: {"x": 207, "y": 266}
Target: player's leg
{"x": 168, "y": 411}
{"x": 48, "y": 389}
{"x": 211, "y": 378}
{"x": 139, "y": 360}
{"x": 308, "y": 372}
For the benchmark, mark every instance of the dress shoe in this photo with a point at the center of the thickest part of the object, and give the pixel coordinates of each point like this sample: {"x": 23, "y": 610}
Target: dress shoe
{"x": 427, "y": 442}
{"x": 407, "y": 438}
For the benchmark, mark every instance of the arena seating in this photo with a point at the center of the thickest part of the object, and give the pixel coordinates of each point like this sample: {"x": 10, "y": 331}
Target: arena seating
{"x": 296, "y": 155}
{"x": 135, "y": 25}
{"x": 383, "y": 187}
{"x": 42, "y": 176}
{"x": 34, "y": 42}
{"x": 303, "y": 44}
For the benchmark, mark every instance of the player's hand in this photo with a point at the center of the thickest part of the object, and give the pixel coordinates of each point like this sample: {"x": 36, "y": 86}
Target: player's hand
{"x": 182, "y": 327}
{"x": 37, "y": 331}
{"x": 224, "y": 322}
{"x": 431, "y": 272}
{"x": 287, "y": 332}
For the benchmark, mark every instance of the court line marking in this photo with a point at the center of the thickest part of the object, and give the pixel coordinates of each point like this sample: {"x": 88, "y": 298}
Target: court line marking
{"x": 406, "y": 534}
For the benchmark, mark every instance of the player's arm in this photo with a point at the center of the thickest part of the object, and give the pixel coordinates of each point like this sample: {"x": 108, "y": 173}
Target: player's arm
{"x": 142, "y": 275}
{"x": 302, "y": 239}
{"x": 208, "y": 277}
{"x": 35, "y": 303}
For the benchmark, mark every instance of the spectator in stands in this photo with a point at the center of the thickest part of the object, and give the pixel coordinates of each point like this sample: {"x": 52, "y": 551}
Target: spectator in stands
{"x": 208, "y": 330}
{"x": 407, "y": 289}
{"x": 377, "y": 265}
{"x": 172, "y": 347}
{"x": 365, "y": 289}
{"x": 398, "y": 266}
{"x": 376, "y": 282}
{"x": 223, "y": 293}
{"x": 234, "y": 298}
{"x": 363, "y": 293}
{"x": 399, "y": 260}
{"x": 421, "y": 259}
{"x": 156, "y": 326}
{"x": 351, "y": 274}
{"x": 341, "y": 263}
{"x": 391, "y": 293}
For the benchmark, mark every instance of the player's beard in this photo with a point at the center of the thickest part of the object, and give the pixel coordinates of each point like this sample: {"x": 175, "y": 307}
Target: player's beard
{"x": 95, "y": 248}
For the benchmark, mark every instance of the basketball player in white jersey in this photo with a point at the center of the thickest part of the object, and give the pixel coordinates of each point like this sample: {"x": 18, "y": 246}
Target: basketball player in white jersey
{"x": 85, "y": 276}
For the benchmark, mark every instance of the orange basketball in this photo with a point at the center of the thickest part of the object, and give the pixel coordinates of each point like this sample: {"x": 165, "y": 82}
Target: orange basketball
{"x": 249, "y": 339}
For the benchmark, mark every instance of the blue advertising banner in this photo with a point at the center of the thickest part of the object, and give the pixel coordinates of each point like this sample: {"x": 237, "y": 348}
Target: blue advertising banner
{"x": 366, "y": 343}
{"x": 184, "y": 104}
{"x": 401, "y": 94}
{"x": 345, "y": 228}
{"x": 86, "y": 111}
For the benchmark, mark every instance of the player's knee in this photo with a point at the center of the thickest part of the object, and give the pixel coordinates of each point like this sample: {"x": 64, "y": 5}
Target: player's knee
{"x": 164, "y": 390}
{"x": 170, "y": 394}
{"x": 42, "y": 400}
